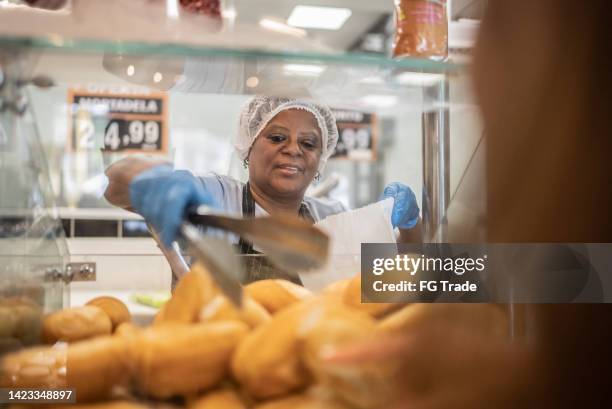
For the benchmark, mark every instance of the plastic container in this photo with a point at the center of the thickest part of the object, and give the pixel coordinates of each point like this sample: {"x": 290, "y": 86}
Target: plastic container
{"x": 421, "y": 29}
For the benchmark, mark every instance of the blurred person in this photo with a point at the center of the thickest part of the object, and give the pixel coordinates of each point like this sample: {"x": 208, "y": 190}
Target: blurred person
{"x": 542, "y": 78}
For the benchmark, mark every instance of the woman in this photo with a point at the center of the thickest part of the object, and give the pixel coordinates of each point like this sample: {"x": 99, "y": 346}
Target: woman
{"x": 285, "y": 144}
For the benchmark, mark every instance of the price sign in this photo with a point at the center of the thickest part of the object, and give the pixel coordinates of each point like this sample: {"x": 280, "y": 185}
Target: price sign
{"x": 121, "y": 134}
{"x": 356, "y": 135}
{"x": 118, "y": 120}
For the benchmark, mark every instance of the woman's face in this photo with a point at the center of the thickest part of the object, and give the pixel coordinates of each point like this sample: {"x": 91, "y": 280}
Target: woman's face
{"x": 285, "y": 156}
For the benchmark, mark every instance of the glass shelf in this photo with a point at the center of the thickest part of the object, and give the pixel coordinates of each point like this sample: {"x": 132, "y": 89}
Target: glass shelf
{"x": 343, "y": 80}
{"x": 54, "y": 43}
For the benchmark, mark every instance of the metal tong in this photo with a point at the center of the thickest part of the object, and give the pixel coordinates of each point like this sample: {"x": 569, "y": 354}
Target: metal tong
{"x": 217, "y": 256}
{"x": 290, "y": 243}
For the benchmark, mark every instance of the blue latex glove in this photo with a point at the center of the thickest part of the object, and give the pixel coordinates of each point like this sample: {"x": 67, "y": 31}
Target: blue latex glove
{"x": 162, "y": 197}
{"x": 405, "y": 214}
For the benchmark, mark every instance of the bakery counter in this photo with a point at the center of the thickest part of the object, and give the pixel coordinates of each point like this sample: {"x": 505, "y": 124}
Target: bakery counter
{"x": 125, "y": 267}
{"x": 142, "y": 315}
{"x": 202, "y": 351}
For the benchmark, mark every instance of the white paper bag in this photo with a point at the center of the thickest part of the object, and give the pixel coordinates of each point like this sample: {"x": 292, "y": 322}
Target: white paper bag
{"x": 369, "y": 224}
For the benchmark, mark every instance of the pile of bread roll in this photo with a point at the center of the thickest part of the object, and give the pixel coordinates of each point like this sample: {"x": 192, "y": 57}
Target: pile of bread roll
{"x": 20, "y": 323}
{"x": 271, "y": 354}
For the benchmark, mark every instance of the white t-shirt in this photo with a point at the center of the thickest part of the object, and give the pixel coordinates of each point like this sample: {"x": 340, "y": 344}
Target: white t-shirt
{"x": 228, "y": 194}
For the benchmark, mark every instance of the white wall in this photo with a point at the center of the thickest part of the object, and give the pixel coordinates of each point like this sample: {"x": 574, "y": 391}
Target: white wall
{"x": 203, "y": 130}
{"x": 404, "y": 158}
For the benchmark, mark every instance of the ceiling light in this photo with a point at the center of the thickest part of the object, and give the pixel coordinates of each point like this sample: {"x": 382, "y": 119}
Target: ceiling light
{"x": 130, "y": 70}
{"x": 381, "y": 101}
{"x": 252, "y": 82}
{"x": 372, "y": 80}
{"x": 229, "y": 13}
{"x": 327, "y": 18}
{"x": 172, "y": 10}
{"x": 304, "y": 69}
{"x": 157, "y": 77}
{"x": 419, "y": 78}
{"x": 277, "y": 26}
{"x": 6, "y": 4}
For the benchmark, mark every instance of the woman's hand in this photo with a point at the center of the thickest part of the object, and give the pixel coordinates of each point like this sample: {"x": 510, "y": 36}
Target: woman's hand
{"x": 162, "y": 197}
{"x": 405, "y": 214}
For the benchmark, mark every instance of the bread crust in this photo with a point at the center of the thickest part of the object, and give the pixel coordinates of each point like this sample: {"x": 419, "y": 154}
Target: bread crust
{"x": 193, "y": 291}
{"x": 221, "y": 309}
{"x": 276, "y": 294}
{"x": 219, "y": 399}
{"x": 116, "y": 310}
{"x": 75, "y": 324}
{"x": 184, "y": 359}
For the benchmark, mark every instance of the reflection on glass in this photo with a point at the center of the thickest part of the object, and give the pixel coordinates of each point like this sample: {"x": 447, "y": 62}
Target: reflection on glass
{"x": 32, "y": 246}
{"x": 135, "y": 228}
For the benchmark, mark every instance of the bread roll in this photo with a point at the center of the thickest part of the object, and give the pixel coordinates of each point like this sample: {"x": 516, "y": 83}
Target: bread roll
{"x": 103, "y": 405}
{"x": 352, "y": 298}
{"x": 9, "y": 345}
{"x": 276, "y": 294}
{"x": 19, "y": 301}
{"x": 129, "y": 333}
{"x": 8, "y": 322}
{"x": 39, "y": 367}
{"x": 305, "y": 400}
{"x": 267, "y": 362}
{"x": 485, "y": 319}
{"x": 92, "y": 367}
{"x": 29, "y": 323}
{"x": 160, "y": 317}
{"x": 116, "y": 310}
{"x": 77, "y": 323}
{"x": 20, "y": 320}
{"x": 327, "y": 329}
{"x": 221, "y": 309}
{"x": 192, "y": 292}
{"x": 220, "y": 399}
{"x": 336, "y": 289}
{"x": 182, "y": 359}
{"x": 95, "y": 366}
{"x": 128, "y": 330}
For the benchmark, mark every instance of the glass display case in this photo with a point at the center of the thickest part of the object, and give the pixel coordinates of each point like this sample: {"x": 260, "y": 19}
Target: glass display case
{"x": 33, "y": 251}
{"x": 74, "y": 104}
{"x": 76, "y": 97}
{"x": 87, "y": 83}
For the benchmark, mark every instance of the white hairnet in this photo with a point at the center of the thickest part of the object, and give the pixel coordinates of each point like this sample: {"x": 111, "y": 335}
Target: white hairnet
{"x": 261, "y": 109}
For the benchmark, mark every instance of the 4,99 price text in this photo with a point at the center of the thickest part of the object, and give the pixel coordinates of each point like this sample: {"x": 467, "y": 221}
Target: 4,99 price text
{"x": 121, "y": 134}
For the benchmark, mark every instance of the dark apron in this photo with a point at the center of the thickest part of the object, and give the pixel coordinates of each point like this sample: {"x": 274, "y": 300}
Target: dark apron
{"x": 257, "y": 266}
